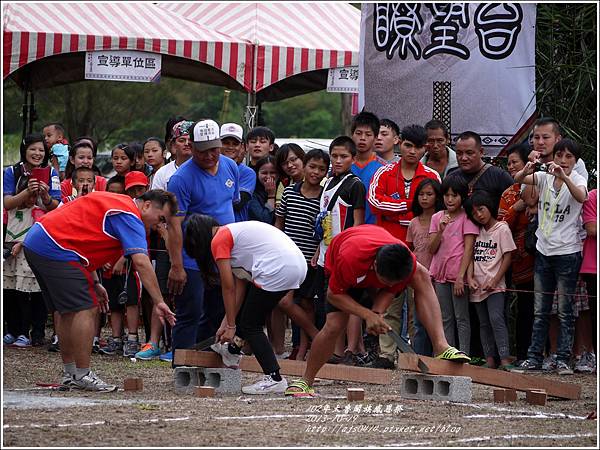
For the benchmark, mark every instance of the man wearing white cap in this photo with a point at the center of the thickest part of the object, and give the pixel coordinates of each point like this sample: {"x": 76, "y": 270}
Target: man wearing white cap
{"x": 232, "y": 138}
{"x": 208, "y": 184}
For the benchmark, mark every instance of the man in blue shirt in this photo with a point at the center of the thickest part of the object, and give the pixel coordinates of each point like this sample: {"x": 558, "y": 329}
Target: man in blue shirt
{"x": 208, "y": 184}
{"x": 232, "y": 138}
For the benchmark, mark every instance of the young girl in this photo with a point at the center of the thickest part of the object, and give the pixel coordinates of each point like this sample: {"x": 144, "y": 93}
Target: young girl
{"x": 451, "y": 238}
{"x": 82, "y": 154}
{"x": 27, "y": 195}
{"x": 123, "y": 159}
{"x": 255, "y": 252}
{"x": 429, "y": 201}
{"x": 154, "y": 154}
{"x": 261, "y": 206}
{"x": 491, "y": 260}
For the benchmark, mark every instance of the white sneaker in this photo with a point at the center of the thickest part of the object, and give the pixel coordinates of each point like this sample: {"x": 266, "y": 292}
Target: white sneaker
{"x": 91, "y": 382}
{"x": 283, "y": 355}
{"x": 22, "y": 342}
{"x": 229, "y": 359}
{"x": 266, "y": 386}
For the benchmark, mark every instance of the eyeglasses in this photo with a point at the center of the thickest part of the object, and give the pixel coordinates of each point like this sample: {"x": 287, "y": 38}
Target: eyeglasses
{"x": 291, "y": 160}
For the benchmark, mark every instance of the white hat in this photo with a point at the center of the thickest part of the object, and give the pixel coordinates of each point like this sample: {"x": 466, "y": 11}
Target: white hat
{"x": 205, "y": 135}
{"x": 232, "y": 130}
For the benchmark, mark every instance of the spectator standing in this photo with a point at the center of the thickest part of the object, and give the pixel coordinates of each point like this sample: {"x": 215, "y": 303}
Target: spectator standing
{"x": 260, "y": 142}
{"x": 232, "y": 137}
{"x": 440, "y": 157}
{"x": 154, "y": 155}
{"x": 451, "y": 238}
{"x": 558, "y": 257}
{"x": 54, "y": 135}
{"x": 261, "y": 206}
{"x": 208, "y": 184}
{"x": 30, "y": 189}
{"x": 387, "y": 141}
{"x": 365, "y": 129}
{"x": 513, "y": 210}
{"x": 491, "y": 259}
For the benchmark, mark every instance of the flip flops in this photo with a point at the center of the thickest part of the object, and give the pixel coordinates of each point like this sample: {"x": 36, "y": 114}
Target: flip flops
{"x": 299, "y": 388}
{"x": 454, "y": 355}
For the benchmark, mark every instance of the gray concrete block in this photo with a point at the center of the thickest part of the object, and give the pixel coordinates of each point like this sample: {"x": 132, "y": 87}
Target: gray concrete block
{"x": 225, "y": 381}
{"x": 435, "y": 387}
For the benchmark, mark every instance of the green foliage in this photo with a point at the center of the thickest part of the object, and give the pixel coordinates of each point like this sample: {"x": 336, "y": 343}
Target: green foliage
{"x": 10, "y": 148}
{"x": 566, "y": 49}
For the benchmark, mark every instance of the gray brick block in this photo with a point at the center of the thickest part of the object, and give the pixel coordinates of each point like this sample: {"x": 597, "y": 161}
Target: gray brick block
{"x": 435, "y": 387}
{"x": 225, "y": 381}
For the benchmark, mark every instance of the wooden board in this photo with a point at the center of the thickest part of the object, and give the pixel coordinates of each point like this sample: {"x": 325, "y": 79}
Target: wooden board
{"x": 492, "y": 377}
{"x": 288, "y": 367}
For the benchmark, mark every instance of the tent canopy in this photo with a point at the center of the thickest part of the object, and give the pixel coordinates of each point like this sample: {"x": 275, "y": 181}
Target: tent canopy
{"x": 295, "y": 43}
{"x": 273, "y": 50}
{"x": 39, "y": 52}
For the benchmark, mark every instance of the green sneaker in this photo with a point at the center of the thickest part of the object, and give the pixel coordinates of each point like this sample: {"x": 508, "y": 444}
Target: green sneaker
{"x": 299, "y": 388}
{"x": 454, "y": 355}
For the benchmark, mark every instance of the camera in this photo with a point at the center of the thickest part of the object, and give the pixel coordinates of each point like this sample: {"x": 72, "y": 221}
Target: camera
{"x": 123, "y": 297}
{"x": 541, "y": 167}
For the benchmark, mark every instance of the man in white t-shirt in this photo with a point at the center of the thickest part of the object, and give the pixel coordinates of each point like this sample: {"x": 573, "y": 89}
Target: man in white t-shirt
{"x": 182, "y": 146}
{"x": 562, "y": 192}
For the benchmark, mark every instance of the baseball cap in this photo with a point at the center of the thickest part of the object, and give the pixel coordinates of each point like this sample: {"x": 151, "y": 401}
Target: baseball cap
{"x": 135, "y": 178}
{"x": 232, "y": 130}
{"x": 205, "y": 135}
{"x": 181, "y": 128}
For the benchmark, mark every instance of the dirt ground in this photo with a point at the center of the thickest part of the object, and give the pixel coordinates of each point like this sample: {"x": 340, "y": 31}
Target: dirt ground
{"x": 160, "y": 417}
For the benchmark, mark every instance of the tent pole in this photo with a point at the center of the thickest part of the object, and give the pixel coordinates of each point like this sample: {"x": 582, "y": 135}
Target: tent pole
{"x": 32, "y": 113}
{"x": 25, "y": 111}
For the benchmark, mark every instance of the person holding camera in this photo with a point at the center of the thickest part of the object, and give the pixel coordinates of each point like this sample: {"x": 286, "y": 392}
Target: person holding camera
{"x": 30, "y": 189}
{"x": 562, "y": 192}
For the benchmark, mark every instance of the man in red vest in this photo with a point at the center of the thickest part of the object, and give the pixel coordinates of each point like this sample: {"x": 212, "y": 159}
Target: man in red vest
{"x": 66, "y": 247}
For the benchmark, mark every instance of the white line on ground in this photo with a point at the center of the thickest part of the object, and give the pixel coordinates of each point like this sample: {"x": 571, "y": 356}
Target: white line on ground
{"x": 522, "y": 436}
{"x": 528, "y": 412}
{"x": 91, "y": 424}
{"x": 522, "y": 416}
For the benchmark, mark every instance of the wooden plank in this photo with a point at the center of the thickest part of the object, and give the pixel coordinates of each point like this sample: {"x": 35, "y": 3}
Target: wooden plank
{"x": 492, "y": 377}
{"x": 288, "y": 367}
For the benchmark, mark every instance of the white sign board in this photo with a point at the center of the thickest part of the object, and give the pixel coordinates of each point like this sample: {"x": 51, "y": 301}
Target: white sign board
{"x": 343, "y": 79}
{"x": 470, "y": 65}
{"x": 123, "y": 65}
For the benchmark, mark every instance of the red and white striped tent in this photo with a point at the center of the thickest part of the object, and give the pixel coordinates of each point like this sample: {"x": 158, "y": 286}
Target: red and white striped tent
{"x": 44, "y": 43}
{"x": 294, "y": 43}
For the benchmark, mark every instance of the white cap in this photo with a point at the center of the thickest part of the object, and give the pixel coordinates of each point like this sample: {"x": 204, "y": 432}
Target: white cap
{"x": 205, "y": 135}
{"x": 232, "y": 130}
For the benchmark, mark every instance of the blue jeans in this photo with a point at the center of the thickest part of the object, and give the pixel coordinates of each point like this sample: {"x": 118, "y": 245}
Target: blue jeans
{"x": 190, "y": 312}
{"x": 554, "y": 273}
{"x": 421, "y": 343}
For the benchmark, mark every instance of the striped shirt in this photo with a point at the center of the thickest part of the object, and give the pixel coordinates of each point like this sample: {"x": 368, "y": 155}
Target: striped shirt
{"x": 299, "y": 213}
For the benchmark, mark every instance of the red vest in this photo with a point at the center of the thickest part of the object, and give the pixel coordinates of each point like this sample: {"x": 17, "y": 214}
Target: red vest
{"x": 79, "y": 226}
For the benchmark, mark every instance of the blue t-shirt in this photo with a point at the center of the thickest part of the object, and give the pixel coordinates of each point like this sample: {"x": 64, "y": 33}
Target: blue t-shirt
{"x": 198, "y": 191}
{"x": 366, "y": 174}
{"x": 125, "y": 227}
{"x": 247, "y": 184}
{"x": 9, "y": 183}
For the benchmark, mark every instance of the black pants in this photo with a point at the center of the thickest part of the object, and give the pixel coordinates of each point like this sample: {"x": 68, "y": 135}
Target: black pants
{"x": 250, "y": 322}
{"x": 524, "y": 322}
{"x": 24, "y": 310}
{"x": 590, "y": 283}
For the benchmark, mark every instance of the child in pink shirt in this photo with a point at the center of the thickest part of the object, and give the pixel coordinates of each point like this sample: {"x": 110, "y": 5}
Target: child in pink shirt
{"x": 589, "y": 270}
{"x": 451, "y": 238}
{"x": 429, "y": 200}
{"x": 491, "y": 260}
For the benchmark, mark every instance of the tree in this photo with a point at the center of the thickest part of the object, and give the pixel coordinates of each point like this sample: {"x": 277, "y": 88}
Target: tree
{"x": 566, "y": 72}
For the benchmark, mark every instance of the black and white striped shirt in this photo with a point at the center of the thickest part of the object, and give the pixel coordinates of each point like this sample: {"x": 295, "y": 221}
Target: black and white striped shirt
{"x": 299, "y": 213}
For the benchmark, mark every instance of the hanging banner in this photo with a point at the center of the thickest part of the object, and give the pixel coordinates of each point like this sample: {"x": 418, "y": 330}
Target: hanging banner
{"x": 470, "y": 65}
{"x": 343, "y": 79}
{"x": 123, "y": 65}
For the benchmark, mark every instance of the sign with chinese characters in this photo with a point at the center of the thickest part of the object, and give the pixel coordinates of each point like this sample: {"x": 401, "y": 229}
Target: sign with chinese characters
{"x": 470, "y": 65}
{"x": 123, "y": 65}
{"x": 343, "y": 79}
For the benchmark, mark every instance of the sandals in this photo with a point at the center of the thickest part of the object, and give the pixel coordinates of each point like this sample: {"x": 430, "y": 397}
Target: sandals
{"x": 299, "y": 388}
{"x": 454, "y": 355}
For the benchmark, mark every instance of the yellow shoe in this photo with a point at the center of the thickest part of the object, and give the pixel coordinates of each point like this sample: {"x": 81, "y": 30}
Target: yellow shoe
{"x": 299, "y": 388}
{"x": 454, "y": 355}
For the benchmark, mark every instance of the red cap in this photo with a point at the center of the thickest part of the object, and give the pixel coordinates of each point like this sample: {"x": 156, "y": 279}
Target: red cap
{"x": 135, "y": 178}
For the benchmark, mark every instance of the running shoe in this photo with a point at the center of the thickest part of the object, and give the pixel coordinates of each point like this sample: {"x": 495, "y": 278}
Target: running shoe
{"x": 149, "y": 351}
{"x": 453, "y": 354}
{"x": 22, "y": 342}
{"x": 229, "y": 359}
{"x": 267, "y": 385}
{"x": 91, "y": 382}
